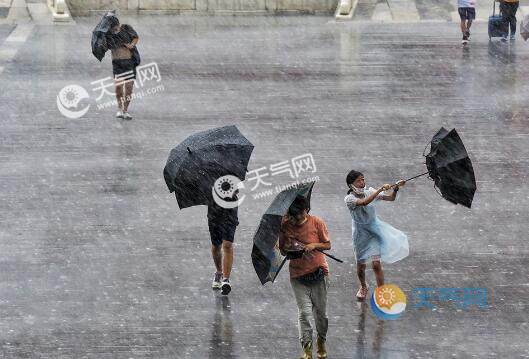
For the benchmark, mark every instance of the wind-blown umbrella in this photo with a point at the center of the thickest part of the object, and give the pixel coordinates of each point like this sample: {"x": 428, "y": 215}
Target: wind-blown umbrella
{"x": 450, "y": 167}
{"x": 195, "y": 164}
{"x": 266, "y": 256}
{"x": 99, "y": 35}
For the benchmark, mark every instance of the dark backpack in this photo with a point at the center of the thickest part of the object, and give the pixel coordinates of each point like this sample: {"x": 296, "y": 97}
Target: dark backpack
{"x": 136, "y": 56}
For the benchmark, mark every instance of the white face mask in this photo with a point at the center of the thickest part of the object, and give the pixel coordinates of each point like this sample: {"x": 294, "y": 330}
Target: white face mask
{"x": 359, "y": 191}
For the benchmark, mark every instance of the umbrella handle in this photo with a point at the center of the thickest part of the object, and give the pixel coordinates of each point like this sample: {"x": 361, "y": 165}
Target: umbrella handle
{"x": 412, "y": 178}
{"x": 279, "y": 269}
{"x": 330, "y": 256}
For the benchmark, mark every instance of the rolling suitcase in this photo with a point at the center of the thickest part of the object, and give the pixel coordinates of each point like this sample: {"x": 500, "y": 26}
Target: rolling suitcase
{"x": 497, "y": 26}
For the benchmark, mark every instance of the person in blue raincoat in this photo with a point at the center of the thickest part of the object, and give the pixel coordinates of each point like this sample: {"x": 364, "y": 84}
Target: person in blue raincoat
{"x": 373, "y": 239}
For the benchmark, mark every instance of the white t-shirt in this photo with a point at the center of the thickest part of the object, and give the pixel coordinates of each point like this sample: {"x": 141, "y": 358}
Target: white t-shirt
{"x": 351, "y": 199}
{"x": 466, "y": 3}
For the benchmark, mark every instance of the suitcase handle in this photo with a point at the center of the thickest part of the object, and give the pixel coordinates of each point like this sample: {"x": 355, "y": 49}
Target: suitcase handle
{"x": 494, "y": 8}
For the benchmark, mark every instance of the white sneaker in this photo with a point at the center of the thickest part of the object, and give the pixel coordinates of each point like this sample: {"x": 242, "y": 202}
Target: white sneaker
{"x": 127, "y": 116}
{"x": 217, "y": 284}
{"x": 119, "y": 114}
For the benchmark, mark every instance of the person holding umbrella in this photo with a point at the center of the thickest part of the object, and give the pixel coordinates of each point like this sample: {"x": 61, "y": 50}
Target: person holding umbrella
{"x": 302, "y": 238}
{"x": 207, "y": 168}
{"x": 122, "y": 40}
{"x": 373, "y": 239}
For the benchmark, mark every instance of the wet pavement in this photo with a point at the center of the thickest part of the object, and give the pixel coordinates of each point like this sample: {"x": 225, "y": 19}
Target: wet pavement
{"x": 98, "y": 262}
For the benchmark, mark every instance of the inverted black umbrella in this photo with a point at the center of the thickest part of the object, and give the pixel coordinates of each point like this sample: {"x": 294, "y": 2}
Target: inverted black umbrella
{"x": 99, "y": 35}
{"x": 266, "y": 257}
{"x": 195, "y": 164}
{"x": 450, "y": 168}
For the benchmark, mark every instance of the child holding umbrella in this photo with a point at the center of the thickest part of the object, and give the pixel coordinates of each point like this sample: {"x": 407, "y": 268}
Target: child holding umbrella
{"x": 373, "y": 239}
{"x": 308, "y": 272}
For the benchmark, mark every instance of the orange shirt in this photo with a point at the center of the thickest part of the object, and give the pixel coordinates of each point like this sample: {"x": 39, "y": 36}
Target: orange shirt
{"x": 313, "y": 230}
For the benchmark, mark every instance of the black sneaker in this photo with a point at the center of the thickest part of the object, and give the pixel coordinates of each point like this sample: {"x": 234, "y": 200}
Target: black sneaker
{"x": 225, "y": 289}
{"x": 468, "y": 35}
{"x": 465, "y": 39}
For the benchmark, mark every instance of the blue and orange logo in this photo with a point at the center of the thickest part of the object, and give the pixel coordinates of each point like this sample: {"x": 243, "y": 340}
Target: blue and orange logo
{"x": 388, "y": 302}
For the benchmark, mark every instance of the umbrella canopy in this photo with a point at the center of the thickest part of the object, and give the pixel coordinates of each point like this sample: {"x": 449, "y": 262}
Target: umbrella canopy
{"x": 450, "y": 167}
{"x": 99, "y": 35}
{"x": 266, "y": 257}
{"x": 195, "y": 164}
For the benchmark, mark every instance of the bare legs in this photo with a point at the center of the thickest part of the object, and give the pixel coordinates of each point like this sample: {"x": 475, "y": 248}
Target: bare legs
{"x": 361, "y": 272}
{"x": 227, "y": 258}
{"x": 223, "y": 258}
{"x": 216, "y": 253}
{"x": 377, "y": 269}
{"x": 124, "y": 94}
{"x": 465, "y": 26}
{"x": 127, "y": 95}
{"x": 379, "y": 274}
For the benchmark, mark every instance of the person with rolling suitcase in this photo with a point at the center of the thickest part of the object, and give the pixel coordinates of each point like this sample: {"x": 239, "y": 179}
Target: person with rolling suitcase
{"x": 497, "y": 24}
{"x": 508, "y": 10}
{"x": 467, "y": 13}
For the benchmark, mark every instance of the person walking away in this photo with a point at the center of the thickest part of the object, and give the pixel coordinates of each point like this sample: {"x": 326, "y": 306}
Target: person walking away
{"x": 309, "y": 273}
{"x": 122, "y": 40}
{"x": 222, "y": 223}
{"x": 508, "y": 9}
{"x": 467, "y": 13}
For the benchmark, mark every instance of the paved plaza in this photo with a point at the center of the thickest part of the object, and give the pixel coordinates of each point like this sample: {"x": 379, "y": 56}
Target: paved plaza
{"x": 97, "y": 261}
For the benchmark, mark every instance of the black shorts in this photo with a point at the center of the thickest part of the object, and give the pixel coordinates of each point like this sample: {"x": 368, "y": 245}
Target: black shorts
{"x": 221, "y": 231}
{"x": 466, "y": 13}
{"x": 122, "y": 69}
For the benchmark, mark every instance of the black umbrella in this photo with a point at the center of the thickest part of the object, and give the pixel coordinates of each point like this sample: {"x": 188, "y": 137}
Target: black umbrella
{"x": 450, "y": 167}
{"x": 99, "y": 35}
{"x": 195, "y": 164}
{"x": 266, "y": 257}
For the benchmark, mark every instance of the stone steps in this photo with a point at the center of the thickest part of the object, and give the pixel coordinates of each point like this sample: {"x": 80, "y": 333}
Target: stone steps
{"x": 415, "y": 10}
{"x": 40, "y": 12}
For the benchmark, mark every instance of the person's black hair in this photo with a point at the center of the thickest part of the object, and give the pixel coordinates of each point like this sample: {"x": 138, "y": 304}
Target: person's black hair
{"x": 114, "y": 21}
{"x": 299, "y": 204}
{"x": 351, "y": 177}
